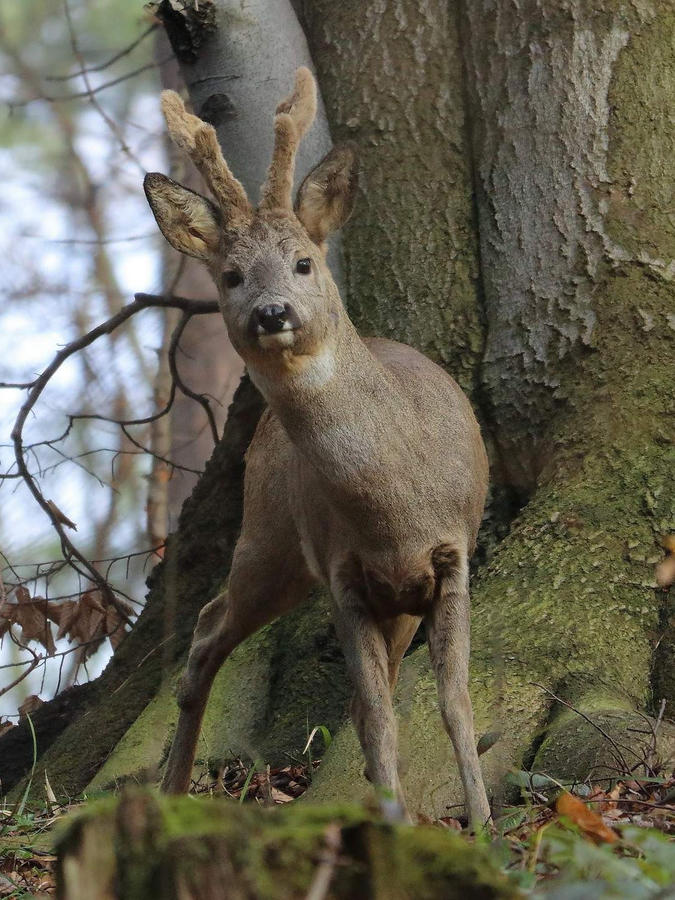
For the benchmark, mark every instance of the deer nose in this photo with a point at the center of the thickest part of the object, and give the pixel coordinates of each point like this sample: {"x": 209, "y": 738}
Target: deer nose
{"x": 271, "y": 318}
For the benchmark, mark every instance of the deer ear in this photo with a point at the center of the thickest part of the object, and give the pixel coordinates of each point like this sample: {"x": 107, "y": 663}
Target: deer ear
{"x": 189, "y": 222}
{"x": 326, "y": 197}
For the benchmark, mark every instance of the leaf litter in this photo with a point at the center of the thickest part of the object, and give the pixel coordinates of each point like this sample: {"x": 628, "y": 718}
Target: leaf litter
{"x": 583, "y": 831}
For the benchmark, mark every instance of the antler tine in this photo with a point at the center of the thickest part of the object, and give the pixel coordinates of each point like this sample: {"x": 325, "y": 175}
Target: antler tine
{"x": 198, "y": 139}
{"x": 294, "y": 115}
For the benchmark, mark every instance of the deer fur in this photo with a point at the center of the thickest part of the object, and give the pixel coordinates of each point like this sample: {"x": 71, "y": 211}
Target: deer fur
{"x": 367, "y": 472}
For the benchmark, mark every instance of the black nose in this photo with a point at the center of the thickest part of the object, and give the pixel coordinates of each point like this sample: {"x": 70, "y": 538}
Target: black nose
{"x": 272, "y": 318}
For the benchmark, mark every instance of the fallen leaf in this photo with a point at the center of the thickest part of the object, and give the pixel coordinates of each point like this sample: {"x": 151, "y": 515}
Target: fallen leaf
{"x": 449, "y": 822}
{"x": 665, "y": 571}
{"x": 588, "y": 821}
{"x": 7, "y": 887}
{"x": 487, "y": 741}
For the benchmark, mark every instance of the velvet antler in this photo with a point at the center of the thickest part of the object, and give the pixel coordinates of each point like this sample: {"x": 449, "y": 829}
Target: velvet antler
{"x": 198, "y": 139}
{"x": 294, "y": 115}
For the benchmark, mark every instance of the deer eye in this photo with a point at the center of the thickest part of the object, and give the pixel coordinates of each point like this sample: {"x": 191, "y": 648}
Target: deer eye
{"x": 232, "y": 278}
{"x": 303, "y": 266}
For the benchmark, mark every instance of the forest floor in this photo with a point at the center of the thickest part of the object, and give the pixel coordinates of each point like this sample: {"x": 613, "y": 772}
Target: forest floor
{"x": 618, "y": 835}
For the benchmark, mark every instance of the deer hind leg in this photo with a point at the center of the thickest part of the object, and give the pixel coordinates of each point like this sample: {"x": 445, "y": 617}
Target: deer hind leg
{"x": 398, "y": 632}
{"x": 448, "y": 634}
{"x": 365, "y": 650}
{"x": 267, "y": 580}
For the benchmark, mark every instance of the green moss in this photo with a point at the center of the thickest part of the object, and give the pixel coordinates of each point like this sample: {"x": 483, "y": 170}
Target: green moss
{"x": 143, "y": 746}
{"x": 642, "y": 141}
{"x": 267, "y": 696}
{"x": 155, "y": 845}
{"x": 613, "y": 741}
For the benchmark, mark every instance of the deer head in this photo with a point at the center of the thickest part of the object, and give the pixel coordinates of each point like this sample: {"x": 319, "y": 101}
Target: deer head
{"x": 276, "y": 292}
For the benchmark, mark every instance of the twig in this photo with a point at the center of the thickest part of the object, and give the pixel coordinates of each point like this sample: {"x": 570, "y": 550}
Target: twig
{"x": 90, "y": 93}
{"x": 32, "y": 665}
{"x": 91, "y": 242}
{"x": 609, "y": 738}
{"x": 109, "y": 62}
{"x": 323, "y": 875}
{"x": 184, "y": 389}
{"x": 36, "y": 387}
{"x": 659, "y": 718}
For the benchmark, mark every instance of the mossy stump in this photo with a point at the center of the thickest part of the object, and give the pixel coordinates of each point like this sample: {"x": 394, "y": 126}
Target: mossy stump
{"x": 141, "y": 846}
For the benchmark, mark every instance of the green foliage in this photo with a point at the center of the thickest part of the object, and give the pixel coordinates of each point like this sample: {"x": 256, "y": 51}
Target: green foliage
{"x": 642, "y": 869}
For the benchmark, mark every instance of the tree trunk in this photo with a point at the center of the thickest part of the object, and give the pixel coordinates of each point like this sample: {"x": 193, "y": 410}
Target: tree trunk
{"x": 514, "y": 223}
{"x": 206, "y": 361}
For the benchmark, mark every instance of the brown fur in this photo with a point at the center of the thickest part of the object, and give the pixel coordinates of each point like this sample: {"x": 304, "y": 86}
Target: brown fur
{"x": 198, "y": 139}
{"x": 293, "y": 118}
{"x": 367, "y": 473}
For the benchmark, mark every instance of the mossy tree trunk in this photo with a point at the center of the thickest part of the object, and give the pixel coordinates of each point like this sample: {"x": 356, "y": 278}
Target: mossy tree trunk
{"x": 515, "y": 223}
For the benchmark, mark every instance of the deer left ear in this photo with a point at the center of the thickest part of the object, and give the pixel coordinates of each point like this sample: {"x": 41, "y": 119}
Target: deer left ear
{"x": 189, "y": 222}
{"x": 326, "y": 197}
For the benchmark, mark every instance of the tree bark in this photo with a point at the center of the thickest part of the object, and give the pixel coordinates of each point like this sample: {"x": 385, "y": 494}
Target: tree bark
{"x": 206, "y": 361}
{"x": 551, "y": 300}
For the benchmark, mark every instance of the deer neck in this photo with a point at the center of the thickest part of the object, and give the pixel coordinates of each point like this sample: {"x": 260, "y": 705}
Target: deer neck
{"x": 336, "y": 405}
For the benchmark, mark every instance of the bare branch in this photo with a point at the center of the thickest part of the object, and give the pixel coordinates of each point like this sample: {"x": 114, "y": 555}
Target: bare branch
{"x": 89, "y": 93}
{"x": 109, "y": 62}
{"x": 188, "y": 392}
{"x": 35, "y": 388}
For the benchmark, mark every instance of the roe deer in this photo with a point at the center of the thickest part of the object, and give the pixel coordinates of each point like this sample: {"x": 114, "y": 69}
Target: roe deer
{"x": 367, "y": 471}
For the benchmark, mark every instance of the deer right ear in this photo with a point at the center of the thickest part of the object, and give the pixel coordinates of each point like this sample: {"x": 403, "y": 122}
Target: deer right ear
{"x": 326, "y": 197}
{"x": 189, "y": 222}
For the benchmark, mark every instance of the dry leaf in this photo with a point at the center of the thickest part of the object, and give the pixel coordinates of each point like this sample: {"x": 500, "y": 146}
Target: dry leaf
{"x": 49, "y": 793}
{"x": 279, "y": 796}
{"x": 5, "y": 726}
{"x": 30, "y": 613}
{"x": 29, "y": 705}
{"x": 59, "y": 516}
{"x": 449, "y": 822}
{"x": 7, "y": 887}
{"x": 488, "y": 740}
{"x": 665, "y": 571}
{"x": 588, "y": 821}
{"x": 5, "y": 617}
{"x": 114, "y": 623}
{"x": 89, "y": 621}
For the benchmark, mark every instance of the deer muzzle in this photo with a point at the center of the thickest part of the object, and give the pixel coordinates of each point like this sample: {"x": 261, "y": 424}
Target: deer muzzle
{"x": 273, "y": 318}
